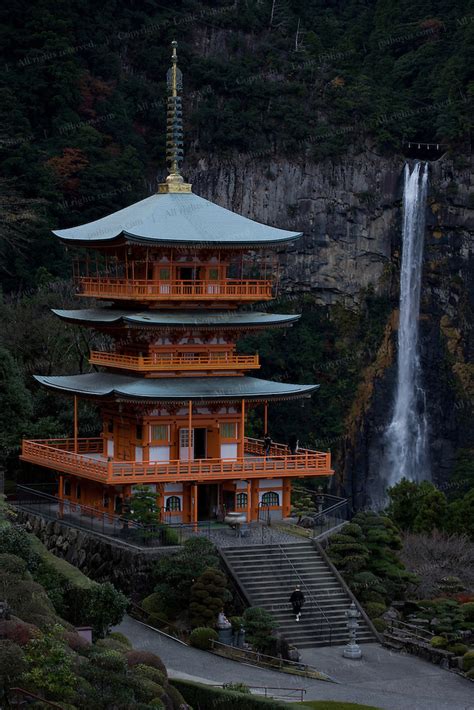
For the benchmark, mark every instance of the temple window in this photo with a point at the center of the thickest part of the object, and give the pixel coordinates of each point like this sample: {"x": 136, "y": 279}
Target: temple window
{"x": 228, "y": 430}
{"x": 173, "y": 504}
{"x": 271, "y": 498}
{"x": 241, "y": 500}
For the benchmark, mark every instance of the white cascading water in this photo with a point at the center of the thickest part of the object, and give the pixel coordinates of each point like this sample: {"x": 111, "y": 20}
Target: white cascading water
{"x": 406, "y": 449}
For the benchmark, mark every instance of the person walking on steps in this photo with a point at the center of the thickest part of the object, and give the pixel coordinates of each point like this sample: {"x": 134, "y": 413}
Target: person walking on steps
{"x": 297, "y": 601}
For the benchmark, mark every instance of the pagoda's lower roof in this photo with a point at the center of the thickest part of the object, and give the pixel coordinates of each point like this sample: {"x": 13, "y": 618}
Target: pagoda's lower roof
{"x": 201, "y": 389}
{"x": 172, "y": 218}
{"x": 175, "y": 319}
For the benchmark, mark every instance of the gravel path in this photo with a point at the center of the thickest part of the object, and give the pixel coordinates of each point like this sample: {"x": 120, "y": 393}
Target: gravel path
{"x": 382, "y": 678}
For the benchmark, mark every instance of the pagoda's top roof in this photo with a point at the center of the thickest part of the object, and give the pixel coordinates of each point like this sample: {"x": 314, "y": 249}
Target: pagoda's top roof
{"x": 175, "y": 319}
{"x": 201, "y": 389}
{"x": 175, "y": 218}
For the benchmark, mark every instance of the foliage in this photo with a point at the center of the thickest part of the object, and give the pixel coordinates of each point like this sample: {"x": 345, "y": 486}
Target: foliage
{"x": 12, "y": 665}
{"x": 121, "y": 638}
{"x": 202, "y": 636}
{"x": 302, "y": 503}
{"x": 14, "y": 541}
{"x": 259, "y": 625}
{"x": 143, "y": 506}
{"x": 439, "y": 641}
{"x": 459, "y": 649}
{"x": 208, "y": 595}
{"x": 205, "y": 697}
{"x": 12, "y": 564}
{"x": 154, "y": 674}
{"x": 468, "y": 661}
{"x": 467, "y": 611}
{"x": 18, "y": 631}
{"x": 380, "y": 624}
{"x": 176, "y": 574}
{"x": 374, "y": 609}
{"x": 145, "y": 658}
{"x": 101, "y": 606}
{"x": 237, "y": 687}
{"x": 50, "y": 666}
{"x": 108, "y": 684}
{"x": 366, "y": 553}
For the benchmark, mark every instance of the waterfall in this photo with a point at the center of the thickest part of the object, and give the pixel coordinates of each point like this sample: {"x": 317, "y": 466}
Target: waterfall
{"x": 405, "y": 439}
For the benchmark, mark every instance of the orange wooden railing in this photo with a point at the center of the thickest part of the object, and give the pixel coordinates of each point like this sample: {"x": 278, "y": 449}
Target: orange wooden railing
{"x": 156, "y": 363}
{"x": 143, "y": 289}
{"x": 60, "y": 455}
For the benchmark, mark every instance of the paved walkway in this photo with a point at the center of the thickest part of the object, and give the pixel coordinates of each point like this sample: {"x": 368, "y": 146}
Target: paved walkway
{"x": 382, "y": 678}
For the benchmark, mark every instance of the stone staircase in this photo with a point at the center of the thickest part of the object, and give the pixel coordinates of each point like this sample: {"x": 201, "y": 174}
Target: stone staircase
{"x": 267, "y": 574}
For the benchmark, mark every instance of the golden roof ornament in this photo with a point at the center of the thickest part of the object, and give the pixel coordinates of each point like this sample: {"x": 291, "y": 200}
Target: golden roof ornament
{"x": 174, "y": 128}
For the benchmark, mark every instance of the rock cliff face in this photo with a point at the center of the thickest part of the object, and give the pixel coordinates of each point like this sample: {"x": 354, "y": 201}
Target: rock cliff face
{"x": 350, "y": 212}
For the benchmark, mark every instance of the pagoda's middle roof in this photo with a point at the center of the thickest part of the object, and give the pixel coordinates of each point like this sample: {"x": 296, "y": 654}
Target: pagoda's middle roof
{"x": 175, "y": 319}
{"x": 172, "y": 219}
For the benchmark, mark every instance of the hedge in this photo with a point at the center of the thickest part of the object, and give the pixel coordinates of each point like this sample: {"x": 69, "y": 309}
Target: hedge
{"x": 206, "y": 697}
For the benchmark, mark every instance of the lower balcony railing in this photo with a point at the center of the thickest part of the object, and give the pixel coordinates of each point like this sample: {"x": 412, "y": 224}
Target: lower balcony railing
{"x": 88, "y": 461}
{"x": 148, "y": 290}
{"x": 157, "y": 363}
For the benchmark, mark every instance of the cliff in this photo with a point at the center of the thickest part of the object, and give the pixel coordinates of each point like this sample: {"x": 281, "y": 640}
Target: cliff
{"x": 350, "y": 212}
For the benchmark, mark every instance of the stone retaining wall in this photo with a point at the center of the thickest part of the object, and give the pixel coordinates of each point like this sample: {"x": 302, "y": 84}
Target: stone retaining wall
{"x": 100, "y": 558}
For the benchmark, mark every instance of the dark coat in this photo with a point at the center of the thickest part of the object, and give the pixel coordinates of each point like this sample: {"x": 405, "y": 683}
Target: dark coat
{"x": 297, "y": 597}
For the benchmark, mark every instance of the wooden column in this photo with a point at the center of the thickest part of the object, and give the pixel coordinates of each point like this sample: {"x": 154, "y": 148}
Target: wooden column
{"x": 190, "y": 430}
{"x": 61, "y": 495}
{"x": 75, "y": 424}
{"x": 265, "y": 418}
{"x": 286, "y": 498}
{"x": 249, "y": 501}
{"x": 194, "y": 504}
{"x": 242, "y": 429}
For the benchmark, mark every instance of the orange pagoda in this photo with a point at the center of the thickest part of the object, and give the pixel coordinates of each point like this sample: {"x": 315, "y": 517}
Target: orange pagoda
{"x": 174, "y": 393}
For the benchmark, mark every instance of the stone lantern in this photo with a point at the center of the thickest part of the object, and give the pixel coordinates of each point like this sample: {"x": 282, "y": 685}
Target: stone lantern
{"x": 352, "y": 650}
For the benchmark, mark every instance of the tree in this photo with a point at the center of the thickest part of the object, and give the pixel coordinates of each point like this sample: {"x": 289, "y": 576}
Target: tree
{"x": 50, "y": 666}
{"x": 107, "y": 682}
{"x": 259, "y": 625}
{"x": 208, "y": 595}
{"x": 143, "y": 506}
{"x": 105, "y": 607}
{"x": 404, "y": 501}
{"x": 417, "y": 506}
{"x": 176, "y": 574}
{"x": 15, "y": 404}
{"x": 302, "y": 503}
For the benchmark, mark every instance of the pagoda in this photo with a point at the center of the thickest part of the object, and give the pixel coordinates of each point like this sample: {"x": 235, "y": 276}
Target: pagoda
{"x": 178, "y": 274}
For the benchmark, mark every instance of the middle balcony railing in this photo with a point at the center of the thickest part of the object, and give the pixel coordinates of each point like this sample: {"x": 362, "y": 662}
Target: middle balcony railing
{"x": 193, "y": 290}
{"x": 172, "y": 363}
{"x": 85, "y": 458}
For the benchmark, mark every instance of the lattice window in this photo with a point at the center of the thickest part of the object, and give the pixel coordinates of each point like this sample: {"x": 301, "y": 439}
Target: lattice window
{"x": 160, "y": 432}
{"x": 241, "y": 500}
{"x": 271, "y": 498}
{"x": 228, "y": 430}
{"x": 173, "y": 504}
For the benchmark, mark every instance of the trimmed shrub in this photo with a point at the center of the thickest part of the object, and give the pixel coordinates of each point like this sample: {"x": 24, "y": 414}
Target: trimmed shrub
{"x": 205, "y": 697}
{"x": 18, "y": 631}
{"x": 12, "y": 564}
{"x": 112, "y": 645}
{"x": 153, "y": 605}
{"x": 202, "y": 637}
{"x": 145, "y": 689}
{"x": 157, "y": 703}
{"x": 439, "y": 642}
{"x": 175, "y": 696}
{"x": 146, "y": 658}
{"x": 76, "y": 642}
{"x": 207, "y": 598}
{"x": 374, "y": 609}
{"x": 151, "y": 673}
{"x": 468, "y": 661}
{"x": 117, "y": 636}
{"x": 380, "y": 625}
{"x": 467, "y": 610}
{"x": 470, "y": 674}
{"x": 12, "y": 665}
{"x": 15, "y": 541}
{"x": 237, "y": 687}
{"x": 459, "y": 649}
{"x": 259, "y": 625}
{"x": 352, "y": 530}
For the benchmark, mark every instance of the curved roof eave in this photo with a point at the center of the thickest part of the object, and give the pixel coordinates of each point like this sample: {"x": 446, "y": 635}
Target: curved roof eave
{"x": 185, "y": 219}
{"x": 170, "y": 319}
{"x": 205, "y": 389}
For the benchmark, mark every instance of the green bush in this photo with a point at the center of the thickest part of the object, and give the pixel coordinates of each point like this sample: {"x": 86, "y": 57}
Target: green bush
{"x": 459, "y": 649}
{"x": 15, "y": 541}
{"x": 111, "y": 644}
{"x": 202, "y": 637}
{"x": 205, "y": 697}
{"x": 439, "y": 642}
{"x": 12, "y": 665}
{"x": 208, "y": 595}
{"x": 151, "y": 673}
{"x": 145, "y": 689}
{"x": 237, "y": 687}
{"x": 175, "y": 696}
{"x": 352, "y": 530}
{"x": 374, "y": 609}
{"x": 468, "y": 661}
{"x": 117, "y": 636}
{"x": 12, "y": 564}
{"x": 470, "y": 674}
{"x": 259, "y": 625}
{"x": 467, "y": 610}
{"x": 136, "y": 657}
{"x": 153, "y": 604}
{"x": 380, "y": 625}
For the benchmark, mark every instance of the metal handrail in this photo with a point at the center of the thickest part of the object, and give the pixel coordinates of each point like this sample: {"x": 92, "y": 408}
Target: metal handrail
{"x": 308, "y": 591}
{"x": 299, "y": 692}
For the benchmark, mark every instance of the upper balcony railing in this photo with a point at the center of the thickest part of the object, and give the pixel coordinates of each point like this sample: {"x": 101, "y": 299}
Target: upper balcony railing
{"x": 193, "y": 290}
{"x": 187, "y": 363}
{"x": 85, "y": 458}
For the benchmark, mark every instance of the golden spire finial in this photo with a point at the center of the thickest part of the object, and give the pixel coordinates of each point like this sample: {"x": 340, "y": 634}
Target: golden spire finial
{"x": 174, "y": 128}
